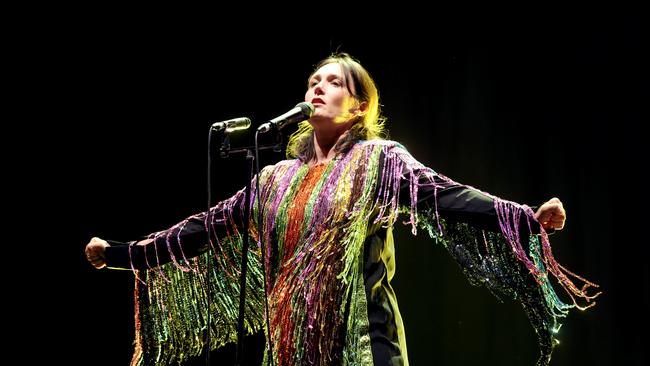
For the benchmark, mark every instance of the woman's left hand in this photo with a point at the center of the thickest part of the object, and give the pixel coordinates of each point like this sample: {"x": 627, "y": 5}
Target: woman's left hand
{"x": 551, "y": 215}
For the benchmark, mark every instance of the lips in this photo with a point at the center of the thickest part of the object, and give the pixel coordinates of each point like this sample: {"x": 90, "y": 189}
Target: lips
{"x": 317, "y": 101}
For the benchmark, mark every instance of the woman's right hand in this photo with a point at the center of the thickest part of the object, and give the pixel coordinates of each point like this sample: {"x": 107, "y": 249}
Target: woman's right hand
{"x": 96, "y": 252}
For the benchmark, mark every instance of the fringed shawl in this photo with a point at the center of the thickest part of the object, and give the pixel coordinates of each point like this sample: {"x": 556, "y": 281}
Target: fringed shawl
{"x": 318, "y": 310}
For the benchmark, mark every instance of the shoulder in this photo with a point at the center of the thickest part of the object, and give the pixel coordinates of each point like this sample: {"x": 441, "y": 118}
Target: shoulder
{"x": 280, "y": 167}
{"x": 393, "y": 152}
{"x": 389, "y": 151}
{"x": 286, "y": 163}
{"x": 389, "y": 148}
{"x": 380, "y": 144}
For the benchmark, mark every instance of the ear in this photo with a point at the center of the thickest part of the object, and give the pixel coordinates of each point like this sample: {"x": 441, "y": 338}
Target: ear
{"x": 363, "y": 108}
{"x": 359, "y": 109}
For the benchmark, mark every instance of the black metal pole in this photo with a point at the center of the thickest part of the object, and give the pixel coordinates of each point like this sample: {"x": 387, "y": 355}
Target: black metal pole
{"x": 244, "y": 263}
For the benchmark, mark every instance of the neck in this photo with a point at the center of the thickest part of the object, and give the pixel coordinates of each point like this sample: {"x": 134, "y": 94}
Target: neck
{"x": 324, "y": 142}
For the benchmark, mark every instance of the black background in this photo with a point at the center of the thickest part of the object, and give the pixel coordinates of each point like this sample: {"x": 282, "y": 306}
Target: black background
{"x": 526, "y": 108}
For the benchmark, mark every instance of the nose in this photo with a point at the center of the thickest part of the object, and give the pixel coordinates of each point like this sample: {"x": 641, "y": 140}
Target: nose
{"x": 318, "y": 90}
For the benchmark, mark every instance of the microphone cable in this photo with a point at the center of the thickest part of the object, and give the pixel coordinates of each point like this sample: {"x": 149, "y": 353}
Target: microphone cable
{"x": 210, "y": 251}
{"x": 260, "y": 237}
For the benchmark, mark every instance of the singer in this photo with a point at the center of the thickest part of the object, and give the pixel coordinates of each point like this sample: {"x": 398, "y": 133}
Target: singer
{"x": 328, "y": 217}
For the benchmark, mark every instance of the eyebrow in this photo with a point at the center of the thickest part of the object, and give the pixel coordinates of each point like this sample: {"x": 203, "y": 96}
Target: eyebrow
{"x": 327, "y": 76}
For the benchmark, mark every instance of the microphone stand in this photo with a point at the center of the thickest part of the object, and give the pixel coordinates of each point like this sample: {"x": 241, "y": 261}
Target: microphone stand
{"x": 225, "y": 151}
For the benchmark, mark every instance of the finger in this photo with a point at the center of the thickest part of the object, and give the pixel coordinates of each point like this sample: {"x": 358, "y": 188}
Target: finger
{"x": 556, "y": 223}
{"x": 555, "y": 210}
{"x": 556, "y": 226}
{"x": 547, "y": 225}
{"x": 95, "y": 242}
{"x": 96, "y": 256}
{"x": 553, "y": 206}
{"x": 556, "y": 217}
{"x": 544, "y": 219}
{"x": 98, "y": 263}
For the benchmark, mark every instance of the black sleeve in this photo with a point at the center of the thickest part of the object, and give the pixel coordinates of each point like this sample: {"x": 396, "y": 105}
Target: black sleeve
{"x": 184, "y": 240}
{"x": 193, "y": 239}
{"x": 453, "y": 201}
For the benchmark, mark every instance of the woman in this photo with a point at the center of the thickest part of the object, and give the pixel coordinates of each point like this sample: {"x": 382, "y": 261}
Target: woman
{"x": 328, "y": 214}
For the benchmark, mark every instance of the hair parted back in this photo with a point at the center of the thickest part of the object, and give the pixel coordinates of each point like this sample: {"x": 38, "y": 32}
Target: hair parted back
{"x": 368, "y": 126}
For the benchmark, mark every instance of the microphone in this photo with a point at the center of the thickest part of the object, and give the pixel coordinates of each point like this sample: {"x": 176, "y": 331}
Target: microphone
{"x": 300, "y": 112}
{"x": 231, "y": 125}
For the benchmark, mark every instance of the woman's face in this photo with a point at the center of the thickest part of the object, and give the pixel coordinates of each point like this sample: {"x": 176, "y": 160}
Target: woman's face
{"x": 329, "y": 94}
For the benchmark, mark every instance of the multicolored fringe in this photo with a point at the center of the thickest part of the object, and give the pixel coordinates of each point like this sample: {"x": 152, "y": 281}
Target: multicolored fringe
{"x": 318, "y": 310}
{"x": 321, "y": 282}
{"x": 499, "y": 260}
{"x": 171, "y": 300}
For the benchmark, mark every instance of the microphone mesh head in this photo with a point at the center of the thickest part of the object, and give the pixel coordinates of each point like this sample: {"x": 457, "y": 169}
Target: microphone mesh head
{"x": 306, "y": 108}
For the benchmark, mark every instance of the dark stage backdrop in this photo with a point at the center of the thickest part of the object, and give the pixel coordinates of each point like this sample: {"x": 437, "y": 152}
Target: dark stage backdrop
{"x": 525, "y": 109}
